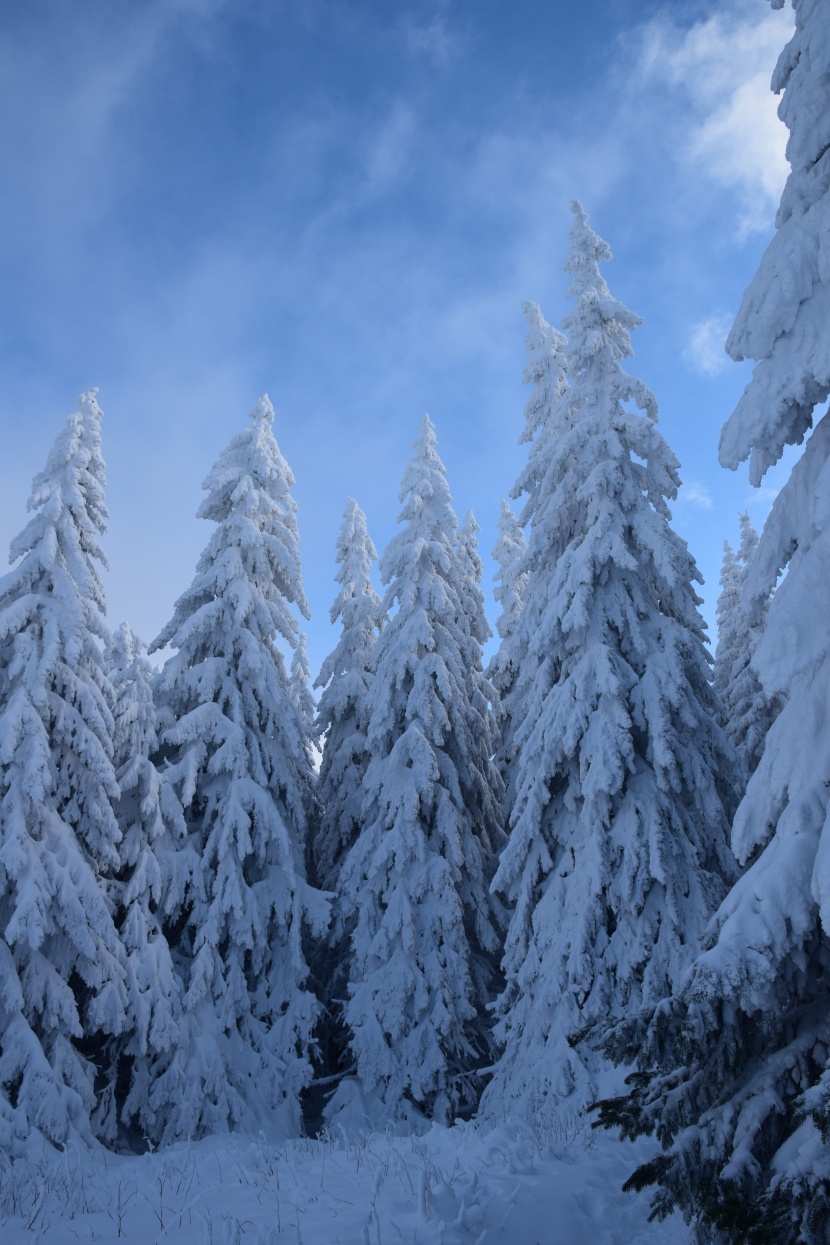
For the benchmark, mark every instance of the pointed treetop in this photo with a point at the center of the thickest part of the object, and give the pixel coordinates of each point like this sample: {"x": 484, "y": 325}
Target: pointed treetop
{"x": 300, "y": 681}
{"x": 749, "y": 540}
{"x": 123, "y": 644}
{"x": 508, "y": 552}
{"x": 262, "y": 411}
{"x": 426, "y": 439}
{"x": 355, "y": 555}
{"x": 730, "y": 582}
{"x": 80, "y": 445}
{"x": 354, "y": 534}
{"x": 424, "y": 488}
{"x": 69, "y": 513}
{"x": 598, "y": 325}
{"x": 471, "y": 527}
{"x": 587, "y": 248}
{"x": 250, "y": 483}
{"x": 87, "y": 402}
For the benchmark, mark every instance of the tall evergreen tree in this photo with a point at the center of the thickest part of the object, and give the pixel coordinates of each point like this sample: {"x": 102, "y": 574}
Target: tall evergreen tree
{"x": 619, "y": 831}
{"x": 728, "y": 613}
{"x": 747, "y": 711}
{"x": 545, "y": 370}
{"x": 150, "y": 818}
{"x": 481, "y": 782}
{"x": 471, "y": 575}
{"x": 300, "y": 682}
{"x": 342, "y": 720}
{"x": 237, "y": 756}
{"x": 342, "y": 714}
{"x": 735, "y": 1069}
{"x": 415, "y": 1016}
{"x": 508, "y": 552}
{"x": 62, "y": 975}
{"x": 484, "y": 788}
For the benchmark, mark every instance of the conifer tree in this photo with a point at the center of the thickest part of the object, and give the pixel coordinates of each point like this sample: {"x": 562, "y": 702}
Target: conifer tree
{"x": 151, "y": 823}
{"x": 342, "y": 720}
{"x": 735, "y": 1072}
{"x": 62, "y": 975}
{"x": 300, "y": 681}
{"x": 237, "y": 756}
{"x": 545, "y": 370}
{"x": 415, "y": 1016}
{"x": 484, "y": 789}
{"x": 481, "y": 781}
{"x": 342, "y": 714}
{"x": 747, "y": 712}
{"x": 471, "y": 575}
{"x": 508, "y": 552}
{"x": 618, "y": 843}
{"x": 728, "y": 616}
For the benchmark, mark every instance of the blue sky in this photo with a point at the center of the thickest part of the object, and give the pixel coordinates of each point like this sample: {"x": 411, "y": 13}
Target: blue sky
{"x": 343, "y": 203}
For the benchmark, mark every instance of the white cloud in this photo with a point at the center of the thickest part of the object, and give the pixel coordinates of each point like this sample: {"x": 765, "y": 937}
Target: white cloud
{"x": 762, "y": 497}
{"x": 389, "y": 148}
{"x": 61, "y": 161}
{"x": 696, "y": 494}
{"x": 705, "y": 351}
{"x": 433, "y": 40}
{"x": 722, "y": 68}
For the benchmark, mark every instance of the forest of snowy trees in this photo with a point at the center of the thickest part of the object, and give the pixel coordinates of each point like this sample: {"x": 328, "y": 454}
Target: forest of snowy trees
{"x": 594, "y": 870}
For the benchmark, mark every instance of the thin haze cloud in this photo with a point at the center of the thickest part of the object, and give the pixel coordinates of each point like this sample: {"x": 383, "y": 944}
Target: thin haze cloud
{"x": 721, "y": 67}
{"x": 706, "y": 351}
{"x": 358, "y": 244}
{"x": 433, "y": 39}
{"x": 696, "y": 494}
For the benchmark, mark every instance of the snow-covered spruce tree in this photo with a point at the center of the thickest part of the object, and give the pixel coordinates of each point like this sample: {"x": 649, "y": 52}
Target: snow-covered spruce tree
{"x": 471, "y": 575}
{"x": 150, "y": 819}
{"x": 342, "y": 719}
{"x": 481, "y": 782}
{"x": 300, "y": 681}
{"x": 735, "y": 1073}
{"x": 486, "y": 783}
{"x": 62, "y": 978}
{"x": 619, "y": 839}
{"x": 342, "y": 714}
{"x": 545, "y": 370}
{"x": 237, "y": 756}
{"x": 508, "y": 552}
{"x": 747, "y": 711}
{"x": 416, "y": 1021}
{"x": 728, "y": 614}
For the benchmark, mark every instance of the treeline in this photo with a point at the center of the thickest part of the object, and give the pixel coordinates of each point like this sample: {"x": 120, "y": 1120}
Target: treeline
{"x": 497, "y": 878}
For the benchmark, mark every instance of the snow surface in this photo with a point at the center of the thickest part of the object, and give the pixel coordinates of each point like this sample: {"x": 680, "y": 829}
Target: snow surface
{"x": 450, "y": 1186}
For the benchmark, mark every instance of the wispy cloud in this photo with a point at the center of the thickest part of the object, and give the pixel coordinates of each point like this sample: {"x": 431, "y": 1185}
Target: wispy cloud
{"x": 371, "y": 261}
{"x": 762, "y": 497}
{"x": 705, "y": 351}
{"x": 433, "y": 39}
{"x": 696, "y": 494}
{"x": 721, "y": 69}
{"x": 390, "y": 150}
{"x": 63, "y": 165}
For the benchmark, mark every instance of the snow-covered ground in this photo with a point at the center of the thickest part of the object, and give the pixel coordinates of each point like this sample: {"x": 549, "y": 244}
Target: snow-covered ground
{"x": 459, "y": 1186}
